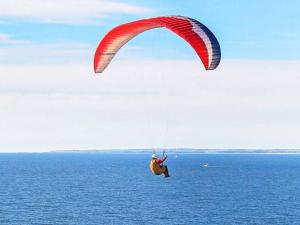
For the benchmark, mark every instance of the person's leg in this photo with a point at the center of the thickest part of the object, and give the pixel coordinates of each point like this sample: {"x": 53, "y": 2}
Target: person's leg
{"x": 166, "y": 172}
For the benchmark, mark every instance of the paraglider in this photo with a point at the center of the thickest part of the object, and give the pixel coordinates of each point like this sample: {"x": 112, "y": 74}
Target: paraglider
{"x": 192, "y": 31}
{"x": 199, "y": 37}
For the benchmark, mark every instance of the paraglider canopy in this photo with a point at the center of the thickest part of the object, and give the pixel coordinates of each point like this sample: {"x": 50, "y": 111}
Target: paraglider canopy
{"x": 192, "y": 31}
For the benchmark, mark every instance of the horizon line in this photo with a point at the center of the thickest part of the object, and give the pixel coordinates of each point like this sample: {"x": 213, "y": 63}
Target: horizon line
{"x": 171, "y": 150}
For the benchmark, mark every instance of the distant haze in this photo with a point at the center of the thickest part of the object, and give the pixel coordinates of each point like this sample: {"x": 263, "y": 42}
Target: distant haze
{"x": 149, "y": 104}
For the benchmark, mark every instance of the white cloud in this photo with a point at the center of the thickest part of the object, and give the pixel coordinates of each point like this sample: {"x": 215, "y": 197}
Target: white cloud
{"x": 26, "y": 52}
{"x": 243, "y": 104}
{"x": 9, "y": 39}
{"x": 4, "y": 38}
{"x": 66, "y": 11}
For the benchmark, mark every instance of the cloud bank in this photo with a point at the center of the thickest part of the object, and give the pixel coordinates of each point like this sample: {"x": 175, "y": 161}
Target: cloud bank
{"x": 243, "y": 104}
{"x": 66, "y": 11}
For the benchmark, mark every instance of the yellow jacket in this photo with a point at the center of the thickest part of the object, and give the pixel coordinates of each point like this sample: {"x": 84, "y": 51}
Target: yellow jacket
{"x": 156, "y": 168}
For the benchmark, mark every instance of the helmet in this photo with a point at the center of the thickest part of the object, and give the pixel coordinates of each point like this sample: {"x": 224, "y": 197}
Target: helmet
{"x": 154, "y": 156}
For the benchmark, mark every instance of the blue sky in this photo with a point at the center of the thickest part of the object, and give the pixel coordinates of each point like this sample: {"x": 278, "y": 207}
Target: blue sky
{"x": 153, "y": 94}
{"x": 246, "y": 29}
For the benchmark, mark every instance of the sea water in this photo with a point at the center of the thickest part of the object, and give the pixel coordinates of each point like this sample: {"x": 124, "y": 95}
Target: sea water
{"x": 118, "y": 188}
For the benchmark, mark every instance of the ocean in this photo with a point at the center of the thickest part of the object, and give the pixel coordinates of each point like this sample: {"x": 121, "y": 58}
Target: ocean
{"x": 118, "y": 188}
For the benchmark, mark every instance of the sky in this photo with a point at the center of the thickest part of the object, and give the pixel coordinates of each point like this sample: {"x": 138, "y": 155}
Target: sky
{"x": 155, "y": 93}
